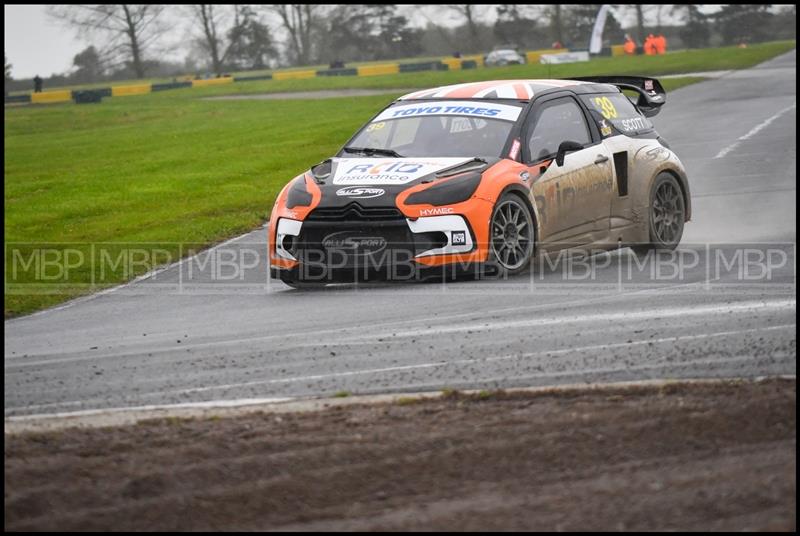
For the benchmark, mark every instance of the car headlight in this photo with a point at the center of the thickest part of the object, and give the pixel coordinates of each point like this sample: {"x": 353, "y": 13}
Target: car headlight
{"x": 322, "y": 171}
{"x": 298, "y": 194}
{"x": 447, "y": 192}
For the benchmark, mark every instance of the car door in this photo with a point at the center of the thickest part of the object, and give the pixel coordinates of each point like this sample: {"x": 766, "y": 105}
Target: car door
{"x": 574, "y": 199}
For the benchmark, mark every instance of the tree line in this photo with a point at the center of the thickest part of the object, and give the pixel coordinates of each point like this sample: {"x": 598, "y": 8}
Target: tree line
{"x": 128, "y": 40}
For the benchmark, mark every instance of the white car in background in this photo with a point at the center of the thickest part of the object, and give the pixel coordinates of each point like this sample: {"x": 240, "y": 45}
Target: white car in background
{"x": 503, "y": 57}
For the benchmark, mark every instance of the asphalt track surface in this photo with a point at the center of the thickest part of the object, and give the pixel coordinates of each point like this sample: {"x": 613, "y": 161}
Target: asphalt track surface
{"x": 185, "y": 335}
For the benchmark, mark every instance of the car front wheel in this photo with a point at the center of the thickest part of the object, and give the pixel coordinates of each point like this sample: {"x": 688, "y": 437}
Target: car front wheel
{"x": 512, "y": 235}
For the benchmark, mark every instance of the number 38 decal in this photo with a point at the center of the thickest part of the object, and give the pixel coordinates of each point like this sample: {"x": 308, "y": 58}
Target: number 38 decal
{"x": 606, "y": 107}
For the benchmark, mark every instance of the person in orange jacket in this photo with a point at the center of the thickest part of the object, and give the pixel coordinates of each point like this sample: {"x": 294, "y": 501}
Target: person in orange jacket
{"x": 630, "y": 45}
{"x": 649, "y": 45}
{"x": 661, "y": 44}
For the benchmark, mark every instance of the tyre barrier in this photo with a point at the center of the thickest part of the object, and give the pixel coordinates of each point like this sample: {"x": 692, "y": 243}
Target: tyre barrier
{"x": 204, "y": 82}
{"x": 87, "y": 96}
{"x": 423, "y": 66}
{"x": 18, "y": 99}
{"x": 377, "y": 70}
{"x": 445, "y": 64}
{"x": 252, "y": 78}
{"x": 344, "y": 71}
{"x": 124, "y": 91}
{"x": 171, "y": 85}
{"x": 45, "y": 97}
{"x": 293, "y": 75}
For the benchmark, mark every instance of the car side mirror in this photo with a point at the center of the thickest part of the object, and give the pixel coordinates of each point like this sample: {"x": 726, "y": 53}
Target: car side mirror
{"x": 564, "y": 148}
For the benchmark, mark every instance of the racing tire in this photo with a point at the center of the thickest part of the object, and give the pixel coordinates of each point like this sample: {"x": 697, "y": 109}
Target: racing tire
{"x": 666, "y": 216}
{"x": 511, "y": 236}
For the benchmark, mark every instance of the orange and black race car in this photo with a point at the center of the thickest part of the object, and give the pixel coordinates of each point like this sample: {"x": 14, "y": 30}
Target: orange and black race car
{"x": 485, "y": 174}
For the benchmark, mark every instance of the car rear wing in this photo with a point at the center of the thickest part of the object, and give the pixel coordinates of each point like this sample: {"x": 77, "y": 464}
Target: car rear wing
{"x": 651, "y": 93}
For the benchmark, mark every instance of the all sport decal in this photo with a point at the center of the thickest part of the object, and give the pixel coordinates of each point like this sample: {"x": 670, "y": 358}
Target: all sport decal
{"x": 487, "y": 110}
{"x": 357, "y": 192}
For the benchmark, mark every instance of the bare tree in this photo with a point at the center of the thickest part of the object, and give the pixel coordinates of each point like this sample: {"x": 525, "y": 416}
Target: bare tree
{"x": 250, "y": 43}
{"x": 639, "y": 23}
{"x": 88, "y": 65}
{"x": 431, "y": 19}
{"x": 659, "y": 9}
{"x": 518, "y": 25}
{"x": 556, "y": 15}
{"x": 470, "y": 12}
{"x": 696, "y": 29}
{"x": 299, "y": 21}
{"x": 129, "y": 29}
{"x": 209, "y": 19}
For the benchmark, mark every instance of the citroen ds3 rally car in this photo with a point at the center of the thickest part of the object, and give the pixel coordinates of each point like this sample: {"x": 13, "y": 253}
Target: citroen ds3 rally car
{"x": 485, "y": 174}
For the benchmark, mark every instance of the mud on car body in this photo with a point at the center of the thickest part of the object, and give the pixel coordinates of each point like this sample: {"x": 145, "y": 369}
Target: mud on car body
{"x": 486, "y": 175}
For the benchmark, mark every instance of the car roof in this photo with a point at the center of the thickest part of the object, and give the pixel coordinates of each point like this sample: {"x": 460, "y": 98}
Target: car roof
{"x": 496, "y": 89}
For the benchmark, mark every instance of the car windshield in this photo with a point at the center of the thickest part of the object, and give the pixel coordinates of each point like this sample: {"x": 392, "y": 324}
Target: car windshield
{"x": 441, "y": 128}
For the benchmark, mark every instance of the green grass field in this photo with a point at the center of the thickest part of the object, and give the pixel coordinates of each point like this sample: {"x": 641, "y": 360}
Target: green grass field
{"x": 170, "y": 167}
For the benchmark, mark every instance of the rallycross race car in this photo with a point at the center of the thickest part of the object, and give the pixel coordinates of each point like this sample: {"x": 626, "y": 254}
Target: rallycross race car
{"x": 486, "y": 175}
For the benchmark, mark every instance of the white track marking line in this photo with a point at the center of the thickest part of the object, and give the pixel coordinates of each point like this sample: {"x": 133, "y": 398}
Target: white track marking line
{"x": 427, "y": 390}
{"x": 438, "y": 364}
{"x": 211, "y": 404}
{"x": 755, "y": 130}
{"x": 626, "y": 315}
{"x": 635, "y": 368}
{"x": 611, "y": 296}
{"x": 547, "y": 353}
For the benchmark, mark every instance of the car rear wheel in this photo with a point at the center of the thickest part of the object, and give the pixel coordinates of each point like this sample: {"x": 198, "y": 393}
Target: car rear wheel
{"x": 666, "y": 215}
{"x": 511, "y": 235}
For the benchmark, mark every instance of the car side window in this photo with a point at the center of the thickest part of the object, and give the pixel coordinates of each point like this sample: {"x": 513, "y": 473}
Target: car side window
{"x": 614, "y": 113}
{"x": 558, "y": 120}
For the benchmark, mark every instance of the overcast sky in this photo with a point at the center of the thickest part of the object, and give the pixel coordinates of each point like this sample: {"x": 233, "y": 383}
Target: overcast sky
{"x": 34, "y": 44}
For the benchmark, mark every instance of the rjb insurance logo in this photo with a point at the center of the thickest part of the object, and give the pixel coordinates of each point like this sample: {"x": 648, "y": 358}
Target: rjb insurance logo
{"x": 391, "y": 172}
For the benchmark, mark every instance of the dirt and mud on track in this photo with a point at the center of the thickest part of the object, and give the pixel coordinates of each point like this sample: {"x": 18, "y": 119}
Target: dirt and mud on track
{"x": 703, "y": 456}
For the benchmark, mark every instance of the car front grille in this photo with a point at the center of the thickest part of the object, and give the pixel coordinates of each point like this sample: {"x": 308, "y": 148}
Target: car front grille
{"x": 326, "y": 227}
{"x": 353, "y": 212}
